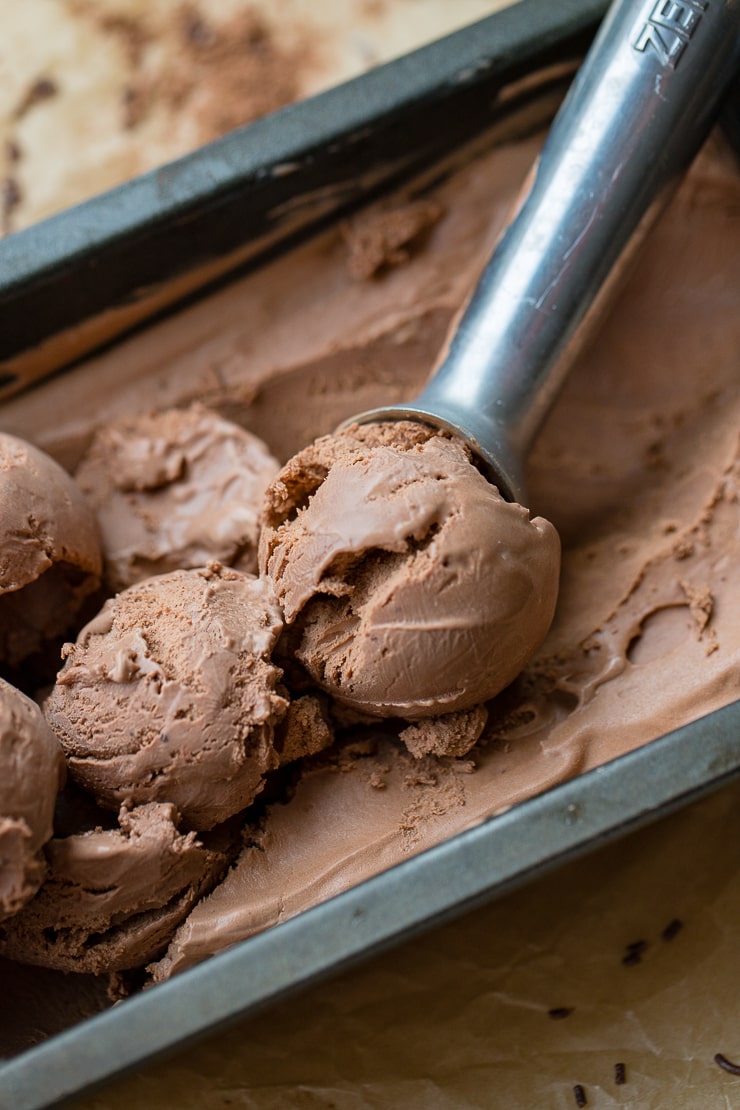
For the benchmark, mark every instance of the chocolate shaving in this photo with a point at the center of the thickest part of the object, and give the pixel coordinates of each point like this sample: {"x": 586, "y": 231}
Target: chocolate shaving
{"x": 132, "y": 35}
{"x": 13, "y": 150}
{"x": 727, "y": 1065}
{"x": 134, "y": 106}
{"x": 39, "y": 90}
{"x": 634, "y": 953}
{"x": 672, "y": 929}
{"x": 10, "y": 198}
{"x": 194, "y": 28}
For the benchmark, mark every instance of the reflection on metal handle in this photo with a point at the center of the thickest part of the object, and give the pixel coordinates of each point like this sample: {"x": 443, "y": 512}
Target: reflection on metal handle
{"x": 635, "y": 116}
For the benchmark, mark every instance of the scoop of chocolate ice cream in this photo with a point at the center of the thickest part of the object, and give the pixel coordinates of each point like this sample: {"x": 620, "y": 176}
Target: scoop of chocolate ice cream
{"x": 49, "y": 550}
{"x": 413, "y": 587}
{"x": 31, "y": 772}
{"x": 113, "y": 897}
{"x": 169, "y": 694}
{"x": 173, "y": 490}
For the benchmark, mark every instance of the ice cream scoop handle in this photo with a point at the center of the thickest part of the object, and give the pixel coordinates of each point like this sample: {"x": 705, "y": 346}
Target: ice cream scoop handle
{"x": 635, "y": 116}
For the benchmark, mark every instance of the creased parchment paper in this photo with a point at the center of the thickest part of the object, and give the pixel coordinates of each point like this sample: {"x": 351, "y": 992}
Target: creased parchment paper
{"x": 459, "y": 1017}
{"x": 96, "y": 91}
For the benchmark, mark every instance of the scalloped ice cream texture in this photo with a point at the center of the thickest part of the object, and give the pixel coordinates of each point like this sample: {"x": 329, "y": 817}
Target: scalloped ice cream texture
{"x": 113, "y": 896}
{"x": 31, "y": 772}
{"x": 50, "y": 559}
{"x": 174, "y": 490}
{"x": 169, "y": 695}
{"x": 414, "y": 589}
{"x": 637, "y": 468}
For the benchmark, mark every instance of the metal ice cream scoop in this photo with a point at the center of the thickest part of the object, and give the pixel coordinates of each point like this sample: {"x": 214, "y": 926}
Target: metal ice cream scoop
{"x": 637, "y": 113}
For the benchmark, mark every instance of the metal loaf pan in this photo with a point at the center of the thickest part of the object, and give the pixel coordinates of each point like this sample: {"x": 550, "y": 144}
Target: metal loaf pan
{"x": 133, "y": 253}
{"x": 85, "y": 276}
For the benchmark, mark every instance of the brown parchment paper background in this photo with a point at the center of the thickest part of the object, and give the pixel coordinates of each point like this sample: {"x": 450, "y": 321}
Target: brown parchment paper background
{"x": 459, "y": 1017}
{"x": 93, "y": 92}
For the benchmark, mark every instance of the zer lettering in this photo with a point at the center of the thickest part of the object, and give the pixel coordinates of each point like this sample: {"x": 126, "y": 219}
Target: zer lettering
{"x": 669, "y": 27}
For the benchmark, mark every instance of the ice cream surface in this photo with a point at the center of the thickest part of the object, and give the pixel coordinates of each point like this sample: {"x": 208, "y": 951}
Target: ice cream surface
{"x": 413, "y": 587}
{"x": 31, "y": 772}
{"x": 49, "y": 549}
{"x": 173, "y": 490}
{"x": 170, "y": 695}
{"x": 113, "y": 896}
{"x": 637, "y": 467}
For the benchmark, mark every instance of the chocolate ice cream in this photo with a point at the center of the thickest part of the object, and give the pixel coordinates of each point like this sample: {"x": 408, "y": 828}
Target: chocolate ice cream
{"x": 637, "y": 467}
{"x": 49, "y": 550}
{"x": 173, "y": 490}
{"x": 113, "y": 897}
{"x": 31, "y": 772}
{"x": 414, "y": 589}
{"x": 170, "y": 695}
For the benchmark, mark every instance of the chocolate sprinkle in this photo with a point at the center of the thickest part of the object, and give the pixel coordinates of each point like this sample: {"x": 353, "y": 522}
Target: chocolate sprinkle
{"x": 634, "y": 953}
{"x": 11, "y": 193}
{"x": 10, "y": 198}
{"x": 557, "y": 1013}
{"x": 580, "y": 1095}
{"x": 13, "y": 151}
{"x": 672, "y": 929}
{"x": 194, "y": 28}
{"x": 134, "y": 106}
{"x": 620, "y": 1074}
{"x": 727, "y": 1065}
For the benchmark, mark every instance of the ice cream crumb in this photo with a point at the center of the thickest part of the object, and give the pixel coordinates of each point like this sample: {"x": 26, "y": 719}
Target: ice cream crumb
{"x": 304, "y": 730}
{"x": 385, "y": 237}
{"x": 451, "y": 734}
{"x": 683, "y": 548}
{"x": 701, "y": 604}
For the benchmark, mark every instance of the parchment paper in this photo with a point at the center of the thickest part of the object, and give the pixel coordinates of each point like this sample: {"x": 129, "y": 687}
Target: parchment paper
{"x": 459, "y": 1018}
{"x": 122, "y": 95}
